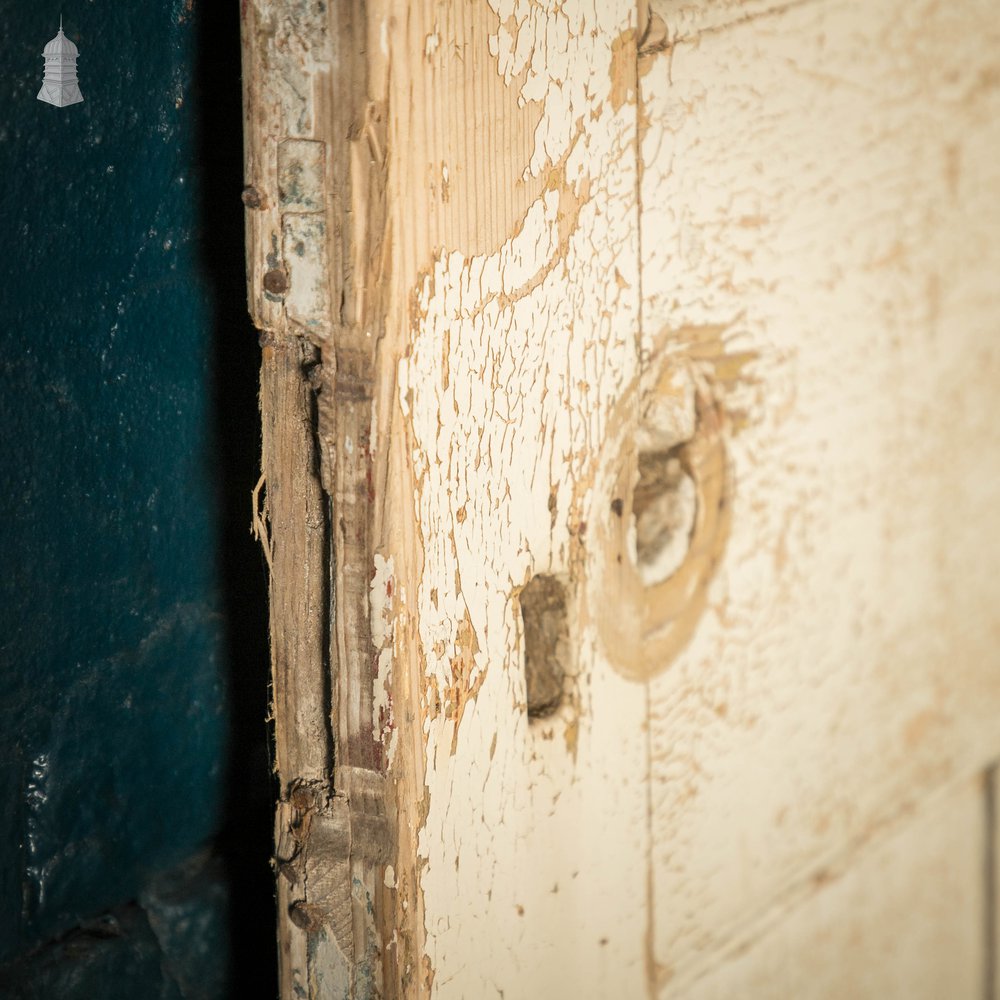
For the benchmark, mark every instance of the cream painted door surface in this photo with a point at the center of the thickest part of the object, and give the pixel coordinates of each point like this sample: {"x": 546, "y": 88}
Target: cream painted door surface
{"x": 631, "y": 471}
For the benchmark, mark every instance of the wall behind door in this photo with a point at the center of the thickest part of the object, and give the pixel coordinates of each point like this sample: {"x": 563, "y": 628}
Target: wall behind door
{"x": 132, "y": 654}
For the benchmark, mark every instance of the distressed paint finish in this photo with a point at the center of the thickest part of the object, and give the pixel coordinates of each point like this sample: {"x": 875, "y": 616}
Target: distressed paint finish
{"x": 517, "y": 348}
{"x": 689, "y": 309}
{"x": 902, "y": 917}
{"x": 823, "y": 188}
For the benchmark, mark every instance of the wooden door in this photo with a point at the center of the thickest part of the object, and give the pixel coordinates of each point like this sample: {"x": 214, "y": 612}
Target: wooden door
{"x": 629, "y": 392}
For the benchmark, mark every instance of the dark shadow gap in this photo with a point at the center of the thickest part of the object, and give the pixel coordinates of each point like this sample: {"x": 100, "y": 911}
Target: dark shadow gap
{"x": 245, "y": 841}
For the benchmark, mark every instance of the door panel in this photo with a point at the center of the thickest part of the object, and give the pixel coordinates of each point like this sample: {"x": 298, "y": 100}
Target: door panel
{"x": 628, "y": 478}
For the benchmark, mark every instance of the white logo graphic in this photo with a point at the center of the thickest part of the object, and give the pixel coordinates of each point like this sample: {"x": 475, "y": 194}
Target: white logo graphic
{"x": 59, "y": 87}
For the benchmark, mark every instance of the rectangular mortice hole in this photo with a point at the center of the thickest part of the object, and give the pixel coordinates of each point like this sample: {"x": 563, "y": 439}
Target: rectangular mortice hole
{"x": 546, "y": 643}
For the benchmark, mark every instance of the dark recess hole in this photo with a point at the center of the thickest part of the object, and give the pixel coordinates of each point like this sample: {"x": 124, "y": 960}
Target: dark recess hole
{"x": 664, "y": 506}
{"x": 546, "y": 635}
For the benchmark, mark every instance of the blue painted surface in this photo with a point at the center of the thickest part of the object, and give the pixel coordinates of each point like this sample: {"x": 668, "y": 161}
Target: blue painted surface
{"x": 163, "y": 947}
{"x": 113, "y": 719}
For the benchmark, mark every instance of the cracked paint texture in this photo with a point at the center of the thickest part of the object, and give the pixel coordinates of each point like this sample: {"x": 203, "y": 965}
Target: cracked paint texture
{"x": 762, "y": 230}
{"x": 800, "y": 191}
{"x": 517, "y": 358}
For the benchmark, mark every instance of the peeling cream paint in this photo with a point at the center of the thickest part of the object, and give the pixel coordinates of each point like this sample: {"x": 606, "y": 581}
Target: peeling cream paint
{"x": 796, "y": 198}
{"x": 382, "y": 606}
{"x": 564, "y": 58}
{"x": 753, "y": 239}
{"x": 499, "y": 424}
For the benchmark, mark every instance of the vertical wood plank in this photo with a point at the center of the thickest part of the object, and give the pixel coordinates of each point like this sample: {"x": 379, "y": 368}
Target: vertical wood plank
{"x": 683, "y": 310}
{"x": 819, "y": 210}
{"x": 901, "y": 918}
{"x": 513, "y": 335}
{"x": 315, "y": 226}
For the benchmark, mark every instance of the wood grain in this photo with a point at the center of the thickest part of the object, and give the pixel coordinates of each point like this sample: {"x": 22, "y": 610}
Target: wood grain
{"x": 901, "y": 918}
{"x": 822, "y": 186}
{"x": 529, "y": 272}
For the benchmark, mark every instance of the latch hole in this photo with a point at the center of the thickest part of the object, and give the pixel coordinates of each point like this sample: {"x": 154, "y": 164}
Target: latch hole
{"x": 546, "y": 643}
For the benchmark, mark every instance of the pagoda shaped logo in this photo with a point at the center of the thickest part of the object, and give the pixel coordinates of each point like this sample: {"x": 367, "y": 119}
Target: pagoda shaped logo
{"x": 59, "y": 86}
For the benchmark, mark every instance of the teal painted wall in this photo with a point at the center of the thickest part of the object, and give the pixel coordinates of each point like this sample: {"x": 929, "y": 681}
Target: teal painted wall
{"x": 126, "y": 721}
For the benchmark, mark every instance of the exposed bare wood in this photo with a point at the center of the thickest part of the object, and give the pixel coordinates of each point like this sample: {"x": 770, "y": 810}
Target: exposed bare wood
{"x": 316, "y": 183}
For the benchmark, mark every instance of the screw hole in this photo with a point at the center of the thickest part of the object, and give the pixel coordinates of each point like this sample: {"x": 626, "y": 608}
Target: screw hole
{"x": 276, "y": 282}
